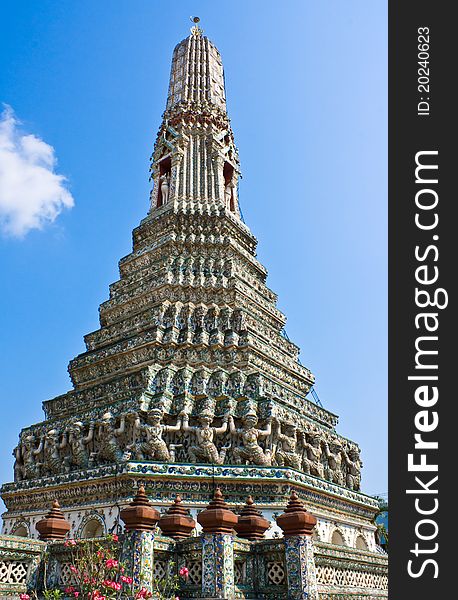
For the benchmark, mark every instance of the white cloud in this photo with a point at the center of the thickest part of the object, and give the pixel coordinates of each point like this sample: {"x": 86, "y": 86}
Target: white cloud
{"x": 31, "y": 193}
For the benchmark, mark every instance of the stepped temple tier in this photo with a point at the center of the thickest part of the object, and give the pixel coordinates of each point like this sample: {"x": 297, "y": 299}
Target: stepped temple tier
{"x": 190, "y": 382}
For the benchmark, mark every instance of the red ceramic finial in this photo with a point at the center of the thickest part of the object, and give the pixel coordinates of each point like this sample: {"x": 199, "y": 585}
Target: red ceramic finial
{"x": 140, "y": 515}
{"x": 251, "y": 524}
{"x": 296, "y": 520}
{"x": 217, "y": 517}
{"x": 54, "y": 526}
{"x": 177, "y": 522}
{"x": 141, "y": 499}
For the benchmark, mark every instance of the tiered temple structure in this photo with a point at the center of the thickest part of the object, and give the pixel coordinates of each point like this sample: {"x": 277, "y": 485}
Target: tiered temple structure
{"x": 190, "y": 382}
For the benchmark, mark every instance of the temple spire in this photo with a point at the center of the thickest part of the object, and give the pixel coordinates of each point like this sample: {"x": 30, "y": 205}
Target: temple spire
{"x": 195, "y": 165}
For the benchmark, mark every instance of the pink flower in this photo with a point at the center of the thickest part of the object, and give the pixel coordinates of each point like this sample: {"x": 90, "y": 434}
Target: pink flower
{"x": 143, "y": 593}
{"x": 24, "y": 597}
{"x": 76, "y": 594}
{"x": 69, "y": 589}
{"x": 177, "y": 597}
{"x": 115, "y": 538}
{"x": 112, "y": 584}
{"x": 73, "y": 569}
{"x": 111, "y": 563}
{"x": 184, "y": 572}
{"x": 127, "y": 580}
{"x": 70, "y": 543}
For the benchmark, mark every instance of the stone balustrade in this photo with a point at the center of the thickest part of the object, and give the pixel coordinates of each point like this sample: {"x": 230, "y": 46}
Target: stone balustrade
{"x": 220, "y": 564}
{"x": 343, "y": 571}
{"x": 19, "y": 564}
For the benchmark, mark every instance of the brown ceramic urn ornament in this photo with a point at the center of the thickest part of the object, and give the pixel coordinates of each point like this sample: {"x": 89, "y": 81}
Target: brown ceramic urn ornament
{"x": 217, "y": 517}
{"x": 177, "y": 522}
{"x": 140, "y": 515}
{"x": 296, "y": 520}
{"x": 251, "y": 525}
{"x": 54, "y": 526}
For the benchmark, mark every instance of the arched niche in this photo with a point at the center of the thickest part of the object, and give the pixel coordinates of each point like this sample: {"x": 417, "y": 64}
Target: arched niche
{"x": 21, "y": 531}
{"x": 360, "y": 543}
{"x": 337, "y": 538}
{"x": 92, "y": 527}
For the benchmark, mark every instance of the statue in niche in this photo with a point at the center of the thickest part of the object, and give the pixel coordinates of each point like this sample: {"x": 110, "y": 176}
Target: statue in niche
{"x": 205, "y": 450}
{"x": 107, "y": 438}
{"x": 251, "y": 452}
{"x": 285, "y": 453}
{"x": 52, "y": 462}
{"x": 152, "y": 446}
{"x": 312, "y": 454}
{"x": 165, "y": 188}
{"x": 31, "y": 468}
{"x": 18, "y": 464}
{"x": 333, "y": 452}
{"x": 78, "y": 443}
{"x": 228, "y": 191}
{"x": 353, "y": 464}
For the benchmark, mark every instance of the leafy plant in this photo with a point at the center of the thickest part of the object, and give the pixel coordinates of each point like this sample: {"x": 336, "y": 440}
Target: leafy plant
{"x": 166, "y": 587}
{"x": 53, "y": 595}
{"x": 98, "y": 574}
{"x": 381, "y": 532}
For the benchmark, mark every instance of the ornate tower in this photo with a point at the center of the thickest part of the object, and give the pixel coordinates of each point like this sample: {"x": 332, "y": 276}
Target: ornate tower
{"x": 189, "y": 378}
{"x": 195, "y": 164}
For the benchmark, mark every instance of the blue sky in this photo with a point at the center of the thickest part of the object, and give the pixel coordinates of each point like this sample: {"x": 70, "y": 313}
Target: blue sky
{"x": 307, "y": 96}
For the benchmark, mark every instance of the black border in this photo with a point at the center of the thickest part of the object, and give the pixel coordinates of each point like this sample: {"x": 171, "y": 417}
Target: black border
{"x": 408, "y": 134}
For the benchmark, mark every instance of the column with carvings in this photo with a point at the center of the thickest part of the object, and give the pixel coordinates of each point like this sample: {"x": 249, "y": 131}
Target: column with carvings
{"x": 53, "y": 528}
{"x": 297, "y": 525}
{"x": 140, "y": 519}
{"x": 218, "y": 523}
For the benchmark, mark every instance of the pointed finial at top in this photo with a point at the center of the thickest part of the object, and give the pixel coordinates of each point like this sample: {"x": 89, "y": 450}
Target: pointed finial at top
{"x": 196, "y": 30}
